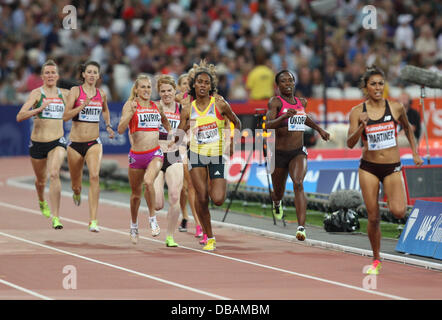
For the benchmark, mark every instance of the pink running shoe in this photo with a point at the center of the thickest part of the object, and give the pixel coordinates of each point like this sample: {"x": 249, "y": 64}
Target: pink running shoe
{"x": 204, "y": 240}
{"x": 199, "y": 232}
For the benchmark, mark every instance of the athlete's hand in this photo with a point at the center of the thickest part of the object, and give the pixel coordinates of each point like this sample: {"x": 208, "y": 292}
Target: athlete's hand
{"x": 43, "y": 105}
{"x": 417, "y": 160}
{"x": 324, "y": 134}
{"x": 363, "y": 119}
{"x": 290, "y": 113}
{"x": 110, "y": 131}
{"x": 133, "y": 106}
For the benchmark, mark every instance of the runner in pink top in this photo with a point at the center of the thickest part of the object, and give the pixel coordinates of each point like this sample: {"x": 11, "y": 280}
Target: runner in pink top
{"x": 287, "y": 116}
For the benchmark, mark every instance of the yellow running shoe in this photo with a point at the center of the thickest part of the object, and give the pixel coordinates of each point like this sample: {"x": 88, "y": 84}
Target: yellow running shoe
{"x": 56, "y": 224}
{"x": 374, "y": 268}
{"x": 277, "y": 211}
{"x": 77, "y": 199}
{"x": 211, "y": 245}
{"x": 300, "y": 233}
{"x": 170, "y": 242}
{"x": 93, "y": 226}
{"x": 44, "y": 208}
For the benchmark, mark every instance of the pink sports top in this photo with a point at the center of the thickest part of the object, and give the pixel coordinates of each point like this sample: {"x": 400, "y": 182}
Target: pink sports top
{"x": 91, "y": 113}
{"x": 297, "y": 122}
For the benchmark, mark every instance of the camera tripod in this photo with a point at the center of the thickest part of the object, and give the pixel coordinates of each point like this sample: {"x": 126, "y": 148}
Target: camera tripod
{"x": 263, "y": 152}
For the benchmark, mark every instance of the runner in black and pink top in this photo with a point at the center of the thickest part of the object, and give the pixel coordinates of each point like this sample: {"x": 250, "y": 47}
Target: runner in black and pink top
{"x": 143, "y": 118}
{"x": 85, "y": 106}
{"x": 286, "y": 114}
{"x": 375, "y": 121}
{"x": 172, "y": 170}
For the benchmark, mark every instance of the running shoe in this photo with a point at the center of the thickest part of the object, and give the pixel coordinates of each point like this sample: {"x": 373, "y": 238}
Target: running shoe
{"x": 211, "y": 245}
{"x": 155, "y": 228}
{"x": 93, "y": 226}
{"x": 183, "y": 226}
{"x": 199, "y": 232}
{"x": 134, "y": 235}
{"x": 77, "y": 199}
{"x": 44, "y": 208}
{"x": 374, "y": 268}
{"x": 300, "y": 233}
{"x": 277, "y": 210}
{"x": 56, "y": 224}
{"x": 204, "y": 240}
{"x": 170, "y": 242}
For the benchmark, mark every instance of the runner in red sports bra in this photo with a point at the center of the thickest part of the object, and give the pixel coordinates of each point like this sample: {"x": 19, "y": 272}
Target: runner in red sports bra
{"x": 143, "y": 118}
{"x": 375, "y": 121}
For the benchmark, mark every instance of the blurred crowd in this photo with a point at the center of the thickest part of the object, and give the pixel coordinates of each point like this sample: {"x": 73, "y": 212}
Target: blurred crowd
{"x": 249, "y": 41}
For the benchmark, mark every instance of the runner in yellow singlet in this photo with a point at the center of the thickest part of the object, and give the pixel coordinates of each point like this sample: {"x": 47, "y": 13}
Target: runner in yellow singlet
{"x": 207, "y": 114}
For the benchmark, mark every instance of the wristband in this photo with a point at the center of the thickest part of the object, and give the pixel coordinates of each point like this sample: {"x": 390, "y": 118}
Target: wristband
{"x": 108, "y": 126}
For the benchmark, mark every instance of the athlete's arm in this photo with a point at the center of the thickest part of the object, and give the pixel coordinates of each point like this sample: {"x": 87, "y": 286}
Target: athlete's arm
{"x": 25, "y": 111}
{"x": 106, "y": 115}
{"x": 272, "y": 121}
{"x": 127, "y": 112}
{"x": 164, "y": 120}
{"x": 70, "y": 111}
{"x": 358, "y": 122}
{"x": 405, "y": 124}
{"x": 227, "y": 112}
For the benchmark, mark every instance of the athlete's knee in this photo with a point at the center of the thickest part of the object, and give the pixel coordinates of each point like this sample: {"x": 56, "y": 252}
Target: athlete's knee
{"x": 398, "y": 210}
{"x": 54, "y": 175}
{"x": 135, "y": 197}
{"x": 94, "y": 178}
{"x": 218, "y": 200}
{"x": 202, "y": 199}
{"x": 174, "y": 196}
{"x": 298, "y": 186}
{"x": 373, "y": 217}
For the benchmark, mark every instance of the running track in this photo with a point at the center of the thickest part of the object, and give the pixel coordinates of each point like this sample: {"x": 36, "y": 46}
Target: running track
{"x": 245, "y": 266}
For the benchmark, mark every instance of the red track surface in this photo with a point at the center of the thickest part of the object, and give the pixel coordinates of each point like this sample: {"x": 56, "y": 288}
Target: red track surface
{"x": 244, "y": 266}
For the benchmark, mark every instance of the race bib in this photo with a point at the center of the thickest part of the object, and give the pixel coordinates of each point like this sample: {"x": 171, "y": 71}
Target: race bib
{"x": 207, "y": 133}
{"x": 174, "y": 120}
{"x": 297, "y": 122}
{"x": 381, "y": 136}
{"x": 149, "y": 120}
{"x": 90, "y": 114}
{"x": 54, "y": 110}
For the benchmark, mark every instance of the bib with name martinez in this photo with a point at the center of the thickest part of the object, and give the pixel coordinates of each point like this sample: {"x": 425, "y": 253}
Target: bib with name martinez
{"x": 380, "y": 134}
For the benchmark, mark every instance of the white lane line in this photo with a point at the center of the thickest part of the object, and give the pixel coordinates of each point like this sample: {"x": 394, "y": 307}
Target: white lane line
{"x": 171, "y": 283}
{"x": 386, "y": 295}
{"x": 32, "y": 293}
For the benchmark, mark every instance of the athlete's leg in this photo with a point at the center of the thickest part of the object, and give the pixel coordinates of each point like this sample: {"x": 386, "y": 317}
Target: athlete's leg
{"x": 55, "y": 160}
{"x": 394, "y": 189}
{"x": 174, "y": 180}
{"x": 75, "y": 163}
{"x": 93, "y": 161}
{"x": 159, "y": 191}
{"x": 298, "y": 170}
{"x": 369, "y": 184}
